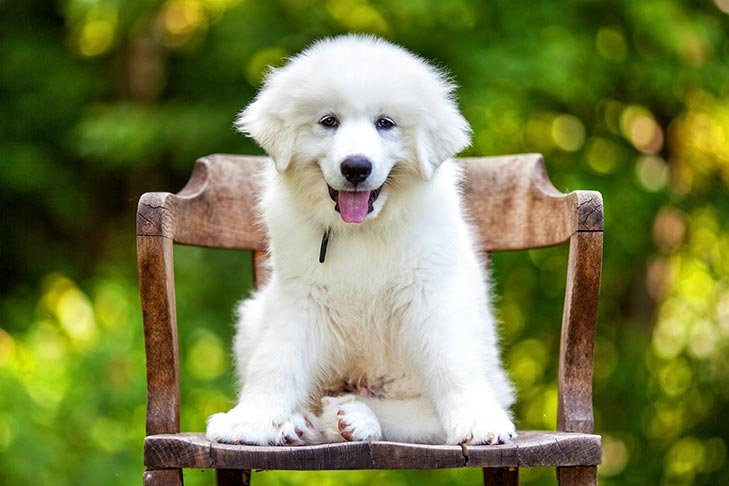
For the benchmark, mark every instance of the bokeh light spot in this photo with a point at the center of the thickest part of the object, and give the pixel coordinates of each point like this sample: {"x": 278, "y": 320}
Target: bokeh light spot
{"x": 685, "y": 458}
{"x": 206, "y": 359}
{"x": 213, "y": 403}
{"x": 638, "y": 125}
{"x": 357, "y": 15}
{"x": 703, "y": 339}
{"x": 541, "y": 411}
{"x": 652, "y": 172}
{"x": 657, "y": 278}
{"x": 96, "y": 37}
{"x": 111, "y": 305}
{"x": 675, "y": 377}
{"x": 614, "y": 456}
{"x": 669, "y": 228}
{"x": 609, "y": 111}
{"x": 7, "y": 348}
{"x": 76, "y": 317}
{"x": 695, "y": 283}
{"x": 669, "y": 338}
{"x": 722, "y": 312}
{"x": 220, "y": 5}
{"x": 181, "y": 23}
{"x": 527, "y": 362}
{"x": 611, "y": 44}
{"x": 604, "y": 156}
{"x": 722, "y": 5}
{"x": 47, "y": 382}
{"x": 538, "y": 133}
{"x": 568, "y": 133}
{"x": 182, "y": 17}
{"x": 108, "y": 434}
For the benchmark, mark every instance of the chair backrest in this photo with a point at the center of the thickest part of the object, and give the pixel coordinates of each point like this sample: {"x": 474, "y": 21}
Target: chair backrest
{"x": 510, "y": 200}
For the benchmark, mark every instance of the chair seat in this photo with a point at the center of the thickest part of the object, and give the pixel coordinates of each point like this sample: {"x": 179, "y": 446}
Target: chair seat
{"x": 530, "y": 448}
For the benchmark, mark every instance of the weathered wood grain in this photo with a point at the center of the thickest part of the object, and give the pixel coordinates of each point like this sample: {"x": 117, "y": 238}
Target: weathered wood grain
{"x": 538, "y": 449}
{"x": 577, "y": 476}
{"x": 391, "y": 455}
{"x": 350, "y": 455}
{"x": 178, "y": 450}
{"x": 500, "y": 476}
{"x": 157, "y": 290}
{"x": 233, "y": 477}
{"x": 515, "y": 206}
{"x": 217, "y": 207}
{"x": 529, "y": 449}
{"x": 163, "y": 477}
{"x": 156, "y": 214}
{"x": 574, "y": 406}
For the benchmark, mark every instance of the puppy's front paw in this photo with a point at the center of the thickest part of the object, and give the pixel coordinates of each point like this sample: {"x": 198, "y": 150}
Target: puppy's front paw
{"x": 491, "y": 426}
{"x": 356, "y": 422}
{"x": 301, "y": 429}
{"x": 241, "y": 427}
{"x": 348, "y": 419}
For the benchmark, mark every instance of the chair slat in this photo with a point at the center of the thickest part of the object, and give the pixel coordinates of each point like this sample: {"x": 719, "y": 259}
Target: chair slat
{"x": 530, "y": 448}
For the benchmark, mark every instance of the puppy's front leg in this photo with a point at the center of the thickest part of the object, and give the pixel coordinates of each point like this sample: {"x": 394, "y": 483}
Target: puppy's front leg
{"x": 458, "y": 360}
{"x": 276, "y": 377}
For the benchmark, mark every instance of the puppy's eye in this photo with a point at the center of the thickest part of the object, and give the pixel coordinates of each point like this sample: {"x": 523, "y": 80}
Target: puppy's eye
{"x": 329, "y": 121}
{"x": 384, "y": 123}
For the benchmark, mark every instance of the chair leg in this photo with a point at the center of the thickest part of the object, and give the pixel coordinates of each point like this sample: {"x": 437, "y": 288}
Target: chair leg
{"x": 163, "y": 477}
{"x": 501, "y": 476}
{"x": 233, "y": 477}
{"x": 577, "y": 476}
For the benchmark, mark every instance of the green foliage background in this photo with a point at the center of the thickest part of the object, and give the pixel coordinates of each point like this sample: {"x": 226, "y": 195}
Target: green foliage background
{"x": 102, "y": 100}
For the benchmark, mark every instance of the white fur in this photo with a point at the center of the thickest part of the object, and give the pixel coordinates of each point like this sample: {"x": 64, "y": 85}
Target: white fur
{"x": 399, "y": 311}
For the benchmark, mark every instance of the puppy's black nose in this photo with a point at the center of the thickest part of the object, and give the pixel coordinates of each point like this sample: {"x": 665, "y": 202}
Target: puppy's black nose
{"x": 356, "y": 168}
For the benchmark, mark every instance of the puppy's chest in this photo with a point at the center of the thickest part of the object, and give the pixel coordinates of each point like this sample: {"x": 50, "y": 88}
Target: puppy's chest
{"x": 368, "y": 314}
{"x": 369, "y": 362}
{"x": 367, "y": 292}
{"x": 368, "y": 300}
{"x": 368, "y": 273}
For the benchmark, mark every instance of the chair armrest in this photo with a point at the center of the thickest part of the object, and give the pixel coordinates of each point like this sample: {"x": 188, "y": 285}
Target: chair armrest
{"x": 574, "y": 409}
{"x": 155, "y": 233}
{"x": 515, "y": 206}
{"x": 216, "y": 208}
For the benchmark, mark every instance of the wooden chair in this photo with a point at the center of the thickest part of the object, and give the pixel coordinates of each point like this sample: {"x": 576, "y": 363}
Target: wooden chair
{"x": 515, "y": 207}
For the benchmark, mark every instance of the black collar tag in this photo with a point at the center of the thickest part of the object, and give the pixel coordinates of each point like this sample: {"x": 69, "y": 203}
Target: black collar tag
{"x": 324, "y": 244}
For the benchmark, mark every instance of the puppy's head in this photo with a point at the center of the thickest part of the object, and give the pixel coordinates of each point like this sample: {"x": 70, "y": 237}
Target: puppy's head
{"x": 356, "y": 108}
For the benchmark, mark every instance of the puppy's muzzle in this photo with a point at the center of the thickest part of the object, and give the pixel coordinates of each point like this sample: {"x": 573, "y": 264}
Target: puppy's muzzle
{"x": 356, "y": 168}
{"x": 355, "y": 204}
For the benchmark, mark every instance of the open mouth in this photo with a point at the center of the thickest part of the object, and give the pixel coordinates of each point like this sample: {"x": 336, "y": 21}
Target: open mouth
{"x": 354, "y": 206}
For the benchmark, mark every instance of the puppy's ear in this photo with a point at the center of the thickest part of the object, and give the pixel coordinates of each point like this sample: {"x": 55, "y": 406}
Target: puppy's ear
{"x": 263, "y": 123}
{"x": 445, "y": 136}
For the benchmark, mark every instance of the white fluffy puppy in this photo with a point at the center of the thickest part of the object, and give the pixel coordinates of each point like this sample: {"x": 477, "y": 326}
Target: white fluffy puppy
{"x": 392, "y": 336}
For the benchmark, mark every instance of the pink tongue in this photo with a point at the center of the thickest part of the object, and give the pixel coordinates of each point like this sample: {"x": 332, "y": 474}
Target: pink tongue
{"x": 354, "y": 205}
